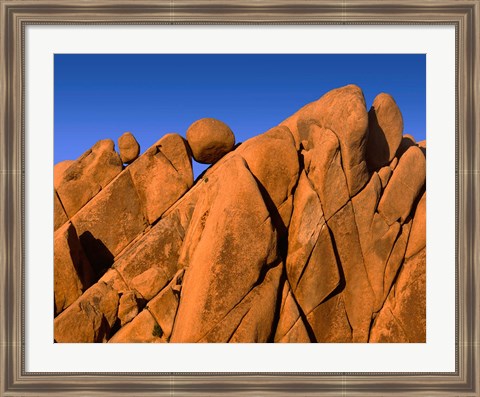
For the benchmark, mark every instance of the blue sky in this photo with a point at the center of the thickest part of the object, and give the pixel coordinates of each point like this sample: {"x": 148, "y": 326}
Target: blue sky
{"x": 99, "y": 96}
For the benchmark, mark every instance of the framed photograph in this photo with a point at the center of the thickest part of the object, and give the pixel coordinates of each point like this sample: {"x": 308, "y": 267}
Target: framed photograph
{"x": 239, "y": 198}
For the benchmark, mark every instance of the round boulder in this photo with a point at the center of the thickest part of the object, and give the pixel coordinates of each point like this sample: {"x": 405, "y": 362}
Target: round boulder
{"x": 210, "y": 140}
{"x": 128, "y": 147}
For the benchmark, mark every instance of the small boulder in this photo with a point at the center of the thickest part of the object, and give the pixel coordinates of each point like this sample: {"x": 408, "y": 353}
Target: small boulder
{"x": 210, "y": 140}
{"x": 142, "y": 329}
{"x": 127, "y": 307}
{"x": 128, "y": 147}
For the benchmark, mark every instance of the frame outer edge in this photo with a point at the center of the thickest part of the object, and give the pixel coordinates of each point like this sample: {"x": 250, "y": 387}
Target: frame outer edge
{"x": 3, "y": 205}
{"x": 468, "y": 173}
{"x": 14, "y": 382}
{"x": 475, "y": 218}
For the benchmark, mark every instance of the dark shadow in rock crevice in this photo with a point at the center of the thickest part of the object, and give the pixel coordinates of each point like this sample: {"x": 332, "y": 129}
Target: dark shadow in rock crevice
{"x": 405, "y": 144}
{"x": 97, "y": 253}
{"x": 278, "y": 305}
{"x": 82, "y": 266}
{"x": 378, "y": 151}
{"x": 277, "y": 221}
{"x": 104, "y": 331}
{"x": 342, "y": 282}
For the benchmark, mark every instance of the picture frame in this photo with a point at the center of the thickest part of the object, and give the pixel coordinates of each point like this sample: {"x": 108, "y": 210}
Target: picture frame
{"x": 15, "y": 15}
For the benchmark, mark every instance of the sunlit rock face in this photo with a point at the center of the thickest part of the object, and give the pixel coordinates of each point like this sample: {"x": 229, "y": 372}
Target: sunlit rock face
{"x": 314, "y": 231}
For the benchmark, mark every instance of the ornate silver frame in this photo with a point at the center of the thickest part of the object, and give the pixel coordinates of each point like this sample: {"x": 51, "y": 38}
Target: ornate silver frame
{"x": 15, "y": 15}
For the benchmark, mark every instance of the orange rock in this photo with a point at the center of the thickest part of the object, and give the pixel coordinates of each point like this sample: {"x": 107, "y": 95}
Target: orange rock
{"x": 358, "y": 294}
{"x": 142, "y": 329}
{"x": 163, "y": 307}
{"x": 378, "y": 256}
{"x": 364, "y": 206}
{"x": 312, "y": 268}
{"x": 393, "y": 163}
{"x": 91, "y": 172}
{"x": 72, "y": 271}
{"x": 418, "y": 235}
{"x": 385, "y": 328}
{"x": 385, "y": 128}
{"x": 113, "y": 279}
{"x": 329, "y": 321}
{"x": 252, "y": 319}
{"x": 257, "y": 324}
{"x": 237, "y": 242}
{"x": 404, "y": 187}
{"x": 403, "y": 317}
{"x": 59, "y": 170}
{"x": 109, "y": 222}
{"x": 320, "y": 276}
{"x": 90, "y": 318}
{"x": 59, "y": 215}
{"x": 407, "y": 142}
{"x": 127, "y": 307}
{"x": 276, "y": 175}
{"x": 343, "y": 111}
{"x": 160, "y": 180}
{"x": 128, "y": 147}
{"x": 150, "y": 282}
{"x": 307, "y": 221}
{"x": 385, "y": 173}
{"x": 286, "y": 239}
{"x": 325, "y": 170}
{"x": 210, "y": 140}
{"x": 395, "y": 261}
{"x": 155, "y": 255}
{"x": 377, "y": 238}
{"x": 177, "y": 150}
{"x": 290, "y": 328}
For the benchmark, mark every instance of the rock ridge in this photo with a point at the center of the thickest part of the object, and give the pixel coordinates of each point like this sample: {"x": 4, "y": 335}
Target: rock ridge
{"x": 314, "y": 231}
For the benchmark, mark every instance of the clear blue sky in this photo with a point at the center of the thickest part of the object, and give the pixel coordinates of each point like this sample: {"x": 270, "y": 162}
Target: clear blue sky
{"x": 99, "y": 96}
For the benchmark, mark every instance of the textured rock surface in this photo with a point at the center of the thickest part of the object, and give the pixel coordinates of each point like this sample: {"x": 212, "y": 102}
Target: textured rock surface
{"x": 59, "y": 215}
{"x": 314, "y": 231}
{"x": 59, "y": 170}
{"x": 385, "y": 128}
{"x": 162, "y": 175}
{"x": 237, "y": 243}
{"x": 342, "y": 111}
{"x": 128, "y": 147}
{"x": 404, "y": 187}
{"x": 210, "y": 140}
{"x": 72, "y": 271}
{"x": 85, "y": 177}
{"x": 110, "y": 221}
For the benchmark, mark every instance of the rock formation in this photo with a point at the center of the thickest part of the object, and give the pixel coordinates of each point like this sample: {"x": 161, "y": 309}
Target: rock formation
{"x": 314, "y": 231}
{"x": 128, "y": 147}
{"x": 210, "y": 140}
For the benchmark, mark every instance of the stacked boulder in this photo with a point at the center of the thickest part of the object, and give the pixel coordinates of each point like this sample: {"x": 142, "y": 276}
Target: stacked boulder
{"x": 313, "y": 231}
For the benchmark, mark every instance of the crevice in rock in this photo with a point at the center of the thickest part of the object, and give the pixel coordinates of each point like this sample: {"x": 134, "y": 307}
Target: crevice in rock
{"x": 63, "y": 207}
{"x": 237, "y": 327}
{"x": 159, "y": 152}
{"x": 279, "y": 305}
{"x": 260, "y": 279}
